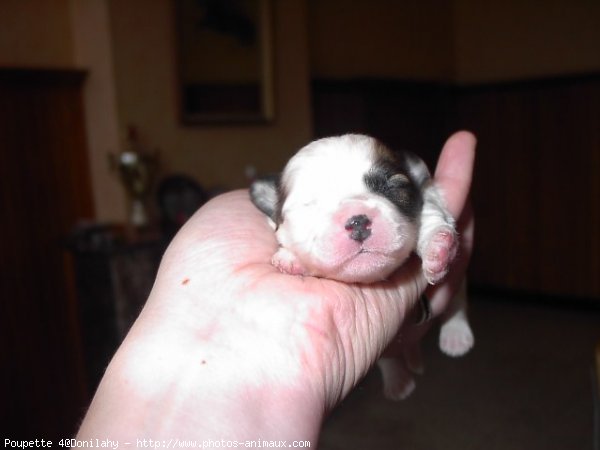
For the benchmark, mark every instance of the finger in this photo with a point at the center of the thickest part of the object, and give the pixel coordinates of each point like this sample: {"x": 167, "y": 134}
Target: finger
{"x": 454, "y": 170}
{"x": 453, "y": 174}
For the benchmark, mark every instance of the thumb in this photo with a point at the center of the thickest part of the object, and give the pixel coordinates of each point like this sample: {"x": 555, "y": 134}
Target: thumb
{"x": 454, "y": 170}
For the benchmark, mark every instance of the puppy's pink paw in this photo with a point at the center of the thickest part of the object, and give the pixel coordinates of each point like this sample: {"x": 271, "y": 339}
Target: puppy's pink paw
{"x": 439, "y": 253}
{"x": 287, "y": 262}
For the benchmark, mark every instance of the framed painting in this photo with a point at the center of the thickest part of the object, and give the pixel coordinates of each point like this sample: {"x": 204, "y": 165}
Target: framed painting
{"x": 225, "y": 61}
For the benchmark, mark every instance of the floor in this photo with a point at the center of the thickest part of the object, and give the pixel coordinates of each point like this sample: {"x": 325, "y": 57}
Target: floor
{"x": 527, "y": 384}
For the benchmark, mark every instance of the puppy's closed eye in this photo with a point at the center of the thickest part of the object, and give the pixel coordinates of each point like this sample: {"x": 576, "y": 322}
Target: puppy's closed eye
{"x": 398, "y": 180}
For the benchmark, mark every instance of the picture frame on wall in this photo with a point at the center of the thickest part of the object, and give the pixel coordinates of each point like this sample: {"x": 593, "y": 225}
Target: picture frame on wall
{"x": 225, "y": 61}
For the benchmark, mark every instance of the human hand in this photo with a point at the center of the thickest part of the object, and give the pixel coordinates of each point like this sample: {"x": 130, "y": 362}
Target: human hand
{"x": 227, "y": 346}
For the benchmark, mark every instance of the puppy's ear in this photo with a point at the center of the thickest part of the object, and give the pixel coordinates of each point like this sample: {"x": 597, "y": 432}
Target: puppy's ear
{"x": 264, "y": 193}
{"x": 417, "y": 169}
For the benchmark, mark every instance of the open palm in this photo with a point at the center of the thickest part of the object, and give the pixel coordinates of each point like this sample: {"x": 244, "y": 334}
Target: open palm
{"x": 221, "y": 319}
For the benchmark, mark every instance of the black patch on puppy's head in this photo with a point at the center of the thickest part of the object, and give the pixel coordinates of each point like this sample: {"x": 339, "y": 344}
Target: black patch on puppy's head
{"x": 391, "y": 178}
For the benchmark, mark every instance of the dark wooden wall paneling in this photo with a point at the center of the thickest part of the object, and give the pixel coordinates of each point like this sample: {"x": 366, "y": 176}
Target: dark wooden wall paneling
{"x": 45, "y": 189}
{"x": 536, "y": 189}
{"x": 405, "y": 115}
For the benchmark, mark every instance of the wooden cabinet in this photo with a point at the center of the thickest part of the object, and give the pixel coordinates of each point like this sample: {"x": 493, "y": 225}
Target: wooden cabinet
{"x": 114, "y": 274}
{"x": 44, "y": 191}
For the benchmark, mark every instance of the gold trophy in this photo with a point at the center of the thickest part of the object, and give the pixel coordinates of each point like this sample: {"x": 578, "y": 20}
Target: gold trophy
{"x": 137, "y": 169}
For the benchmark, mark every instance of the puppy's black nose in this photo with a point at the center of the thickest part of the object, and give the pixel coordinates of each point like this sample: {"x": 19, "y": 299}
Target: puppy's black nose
{"x": 359, "y": 227}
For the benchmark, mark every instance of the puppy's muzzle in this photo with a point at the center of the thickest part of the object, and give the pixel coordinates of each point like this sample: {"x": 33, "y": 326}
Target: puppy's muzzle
{"x": 359, "y": 227}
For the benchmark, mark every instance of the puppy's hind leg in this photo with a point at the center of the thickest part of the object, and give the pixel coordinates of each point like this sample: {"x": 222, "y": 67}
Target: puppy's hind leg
{"x": 398, "y": 381}
{"x": 456, "y": 337}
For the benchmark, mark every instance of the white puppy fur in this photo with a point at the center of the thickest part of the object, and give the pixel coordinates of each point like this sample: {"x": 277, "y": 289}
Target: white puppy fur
{"x": 348, "y": 209}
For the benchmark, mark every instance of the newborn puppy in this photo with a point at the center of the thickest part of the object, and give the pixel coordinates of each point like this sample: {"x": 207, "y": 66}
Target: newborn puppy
{"x": 348, "y": 209}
